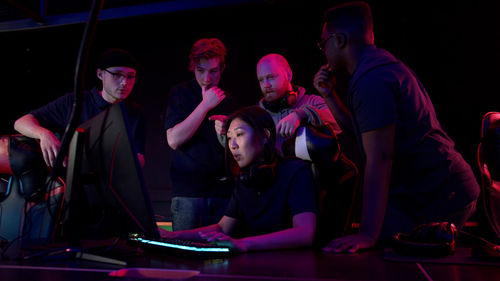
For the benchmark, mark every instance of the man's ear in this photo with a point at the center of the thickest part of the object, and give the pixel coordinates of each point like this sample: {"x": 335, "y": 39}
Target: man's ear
{"x": 99, "y": 74}
{"x": 289, "y": 75}
{"x": 341, "y": 40}
{"x": 268, "y": 135}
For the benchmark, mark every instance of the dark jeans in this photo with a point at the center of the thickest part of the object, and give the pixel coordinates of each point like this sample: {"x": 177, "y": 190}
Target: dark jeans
{"x": 193, "y": 212}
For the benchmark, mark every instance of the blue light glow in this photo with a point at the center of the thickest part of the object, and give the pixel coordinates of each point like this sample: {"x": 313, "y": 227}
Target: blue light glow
{"x": 183, "y": 247}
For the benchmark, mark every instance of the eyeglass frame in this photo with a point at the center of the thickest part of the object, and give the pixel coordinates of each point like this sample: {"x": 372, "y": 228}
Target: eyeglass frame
{"x": 119, "y": 76}
{"x": 321, "y": 44}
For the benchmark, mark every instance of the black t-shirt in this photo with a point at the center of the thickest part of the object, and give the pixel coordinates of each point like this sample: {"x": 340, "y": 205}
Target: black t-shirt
{"x": 272, "y": 209}
{"x": 55, "y": 115}
{"x": 197, "y": 167}
{"x": 427, "y": 171}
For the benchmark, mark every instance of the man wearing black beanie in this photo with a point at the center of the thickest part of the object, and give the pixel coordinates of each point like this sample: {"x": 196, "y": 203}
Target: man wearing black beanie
{"x": 117, "y": 70}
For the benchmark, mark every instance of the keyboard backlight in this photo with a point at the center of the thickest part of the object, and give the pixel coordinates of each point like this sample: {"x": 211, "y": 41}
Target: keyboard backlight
{"x": 190, "y": 248}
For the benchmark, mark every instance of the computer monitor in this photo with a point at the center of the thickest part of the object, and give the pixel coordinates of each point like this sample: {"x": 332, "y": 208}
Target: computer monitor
{"x": 105, "y": 194}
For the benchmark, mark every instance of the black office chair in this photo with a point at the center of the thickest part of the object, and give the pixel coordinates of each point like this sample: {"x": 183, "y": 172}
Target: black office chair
{"x": 488, "y": 158}
{"x": 30, "y": 204}
{"x": 336, "y": 178}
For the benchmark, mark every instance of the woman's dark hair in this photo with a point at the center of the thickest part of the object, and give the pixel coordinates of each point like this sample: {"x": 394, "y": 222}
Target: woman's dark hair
{"x": 260, "y": 121}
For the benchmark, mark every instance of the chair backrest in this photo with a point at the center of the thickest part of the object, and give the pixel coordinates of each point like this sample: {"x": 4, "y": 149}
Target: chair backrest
{"x": 11, "y": 211}
{"x": 336, "y": 177}
{"x": 316, "y": 144}
{"x": 488, "y": 158}
{"x": 22, "y": 157}
{"x": 30, "y": 204}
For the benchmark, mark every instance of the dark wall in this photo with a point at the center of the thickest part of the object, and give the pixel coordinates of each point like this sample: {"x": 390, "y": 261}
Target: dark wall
{"x": 452, "y": 48}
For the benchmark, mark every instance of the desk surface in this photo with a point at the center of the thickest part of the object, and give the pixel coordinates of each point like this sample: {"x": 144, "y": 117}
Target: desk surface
{"x": 302, "y": 264}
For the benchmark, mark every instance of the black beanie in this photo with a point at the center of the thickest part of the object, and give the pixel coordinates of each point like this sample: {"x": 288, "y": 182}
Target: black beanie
{"x": 117, "y": 57}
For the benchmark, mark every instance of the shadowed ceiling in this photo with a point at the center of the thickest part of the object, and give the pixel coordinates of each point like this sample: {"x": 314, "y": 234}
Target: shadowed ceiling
{"x": 34, "y": 14}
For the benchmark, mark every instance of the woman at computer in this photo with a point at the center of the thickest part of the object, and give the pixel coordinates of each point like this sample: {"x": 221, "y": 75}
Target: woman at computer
{"x": 273, "y": 205}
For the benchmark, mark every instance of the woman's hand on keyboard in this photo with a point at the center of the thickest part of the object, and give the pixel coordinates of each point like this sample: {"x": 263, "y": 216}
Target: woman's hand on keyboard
{"x": 221, "y": 239}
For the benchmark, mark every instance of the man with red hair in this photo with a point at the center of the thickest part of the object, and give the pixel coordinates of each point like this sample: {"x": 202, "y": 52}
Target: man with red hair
{"x": 201, "y": 190}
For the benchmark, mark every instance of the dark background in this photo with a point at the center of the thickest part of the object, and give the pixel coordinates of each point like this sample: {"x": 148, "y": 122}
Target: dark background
{"x": 452, "y": 47}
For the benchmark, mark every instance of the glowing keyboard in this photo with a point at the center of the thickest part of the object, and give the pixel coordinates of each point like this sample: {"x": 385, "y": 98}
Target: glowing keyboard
{"x": 179, "y": 246}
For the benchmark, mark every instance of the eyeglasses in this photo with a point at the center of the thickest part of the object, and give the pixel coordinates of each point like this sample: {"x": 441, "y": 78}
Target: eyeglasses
{"x": 322, "y": 43}
{"x": 120, "y": 76}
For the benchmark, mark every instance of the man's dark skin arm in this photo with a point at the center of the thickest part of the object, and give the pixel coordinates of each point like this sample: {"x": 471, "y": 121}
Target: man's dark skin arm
{"x": 379, "y": 148}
